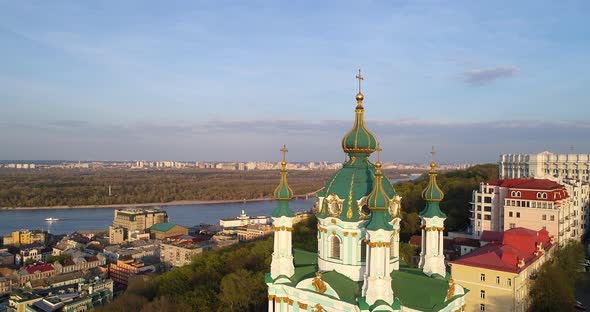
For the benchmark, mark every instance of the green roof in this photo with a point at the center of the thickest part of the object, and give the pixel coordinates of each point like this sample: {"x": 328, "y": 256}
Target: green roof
{"x": 352, "y": 182}
{"x": 283, "y": 191}
{"x": 162, "y": 227}
{"x": 409, "y": 285}
{"x": 378, "y": 202}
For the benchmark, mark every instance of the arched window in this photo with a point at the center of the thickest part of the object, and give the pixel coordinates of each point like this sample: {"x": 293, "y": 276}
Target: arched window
{"x": 363, "y": 251}
{"x": 335, "y": 247}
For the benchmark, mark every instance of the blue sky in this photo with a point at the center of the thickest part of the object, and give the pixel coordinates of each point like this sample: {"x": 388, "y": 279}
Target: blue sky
{"x": 234, "y": 80}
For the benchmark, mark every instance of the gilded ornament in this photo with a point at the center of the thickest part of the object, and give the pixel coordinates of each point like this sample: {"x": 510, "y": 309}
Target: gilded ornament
{"x": 451, "y": 290}
{"x": 302, "y": 305}
{"x": 318, "y": 308}
{"x": 318, "y": 283}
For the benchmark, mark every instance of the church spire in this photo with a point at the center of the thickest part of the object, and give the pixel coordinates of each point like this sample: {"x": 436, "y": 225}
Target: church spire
{"x": 283, "y": 192}
{"x": 432, "y": 194}
{"x": 378, "y": 200}
{"x": 359, "y": 139}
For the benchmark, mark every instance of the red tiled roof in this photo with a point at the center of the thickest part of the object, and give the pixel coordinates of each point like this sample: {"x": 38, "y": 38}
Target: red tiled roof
{"x": 516, "y": 244}
{"x": 530, "y": 187}
{"x": 42, "y": 267}
{"x": 465, "y": 241}
{"x": 491, "y": 236}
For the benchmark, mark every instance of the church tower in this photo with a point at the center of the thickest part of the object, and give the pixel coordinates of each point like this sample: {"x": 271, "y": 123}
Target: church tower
{"x": 282, "y": 221}
{"x": 343, "y": 210}
{"x": 377, "y": 283}
{"x": 432, "y": 259}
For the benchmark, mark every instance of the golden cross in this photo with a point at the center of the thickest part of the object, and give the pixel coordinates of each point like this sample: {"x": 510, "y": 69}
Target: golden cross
{"x": 360, "y": 77}
{"x": 378, "y": 149}
{"x": 284, "y": 150}
{"x": 433, "y": 152}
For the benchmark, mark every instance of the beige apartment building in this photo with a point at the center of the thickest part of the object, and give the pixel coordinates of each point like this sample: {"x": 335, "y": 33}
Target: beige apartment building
{"x": 499, "y": 274}
{"x": 545, "y": 164}
{"x": 134, "y": 220}
{"x": 560, "y": 208}
{"x": 178, "y": 252}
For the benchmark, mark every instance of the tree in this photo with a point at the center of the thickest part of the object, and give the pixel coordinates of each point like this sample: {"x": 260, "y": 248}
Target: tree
{"x": 29, "y": 261}
{"x": 551, "y": 291}
{"x": 241, "y": 290}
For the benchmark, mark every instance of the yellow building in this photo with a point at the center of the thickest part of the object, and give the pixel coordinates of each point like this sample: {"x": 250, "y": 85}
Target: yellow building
{"x": 25, "y": 237}
{"x": 499, "y": 274}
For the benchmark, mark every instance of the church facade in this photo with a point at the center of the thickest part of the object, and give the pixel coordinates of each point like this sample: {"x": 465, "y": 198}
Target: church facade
{"x": 357, "y": 266}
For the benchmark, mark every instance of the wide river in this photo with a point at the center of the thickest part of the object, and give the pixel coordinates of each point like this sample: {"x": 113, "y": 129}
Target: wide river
{"x": 92, "y": 219}
{"x": 83, "y": 219}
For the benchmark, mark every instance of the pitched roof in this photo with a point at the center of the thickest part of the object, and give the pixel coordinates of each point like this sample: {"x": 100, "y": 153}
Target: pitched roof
{"x": 531, "y": 184}
{"x": 491, "y": 236}
{"x": 516, "y": 244}
{"x": 162, "y": 227}
{"x": 41, "y": 267}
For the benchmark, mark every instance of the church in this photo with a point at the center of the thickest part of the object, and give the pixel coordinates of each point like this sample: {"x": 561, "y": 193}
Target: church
{"x": 357, "y": 266}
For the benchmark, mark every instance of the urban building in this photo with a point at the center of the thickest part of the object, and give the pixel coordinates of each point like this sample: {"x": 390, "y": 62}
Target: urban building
{"x": 500, "y": 273}
{"x": 180, "y": 251}
{"x": 133, "y": 220}
{"x": 561, "y": 209}
{"x": 253, "y": 231}
{"x": 358, "y": 265}
{"x": 19, "y": 300}
{"x": 139, "y": 250}
{"x": 545, "y": 164}
{"x": 6, "y": 258}
{"x": 167, "y": 229}
{"x": 25, "y": 237}
{"x": 242, "y": 220}
{"x": 123, "y": 271}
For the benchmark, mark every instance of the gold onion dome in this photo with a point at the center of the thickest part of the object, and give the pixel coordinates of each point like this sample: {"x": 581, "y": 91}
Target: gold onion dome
{"x": 359, "y": 139}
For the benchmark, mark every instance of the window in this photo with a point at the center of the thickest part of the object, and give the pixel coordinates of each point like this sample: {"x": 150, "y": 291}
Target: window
{"x": 512, "y": 225}
{"x": 487, "y": 217}
{"x": 518, "y": 214}
{"x": 510, "y": 214}
{"x": 482, "y": 307}
{"x": 482, "y": 277}
{"x": 482, "y": 294}
{"x": 544, "y": 218}
{"x": 509, "y": 282}
{"x": 364, "y": 251}
{"x": 552, "y": 218}
{"x": 335, "y": 247}
{"x": 497, "y": 280}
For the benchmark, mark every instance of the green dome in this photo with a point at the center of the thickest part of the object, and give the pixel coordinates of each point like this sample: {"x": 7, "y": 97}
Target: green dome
{"x": 378, "y": 199}
{"x": 352, "y": 182}
{"x": 432, "y": 194}
{"x": 283, "y": 193}
{"x": 359, "y": 139}
{"x": 378, "y": 202}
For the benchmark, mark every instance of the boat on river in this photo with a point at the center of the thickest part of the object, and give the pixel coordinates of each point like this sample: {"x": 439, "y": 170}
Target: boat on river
{"x": 51, "y": 219}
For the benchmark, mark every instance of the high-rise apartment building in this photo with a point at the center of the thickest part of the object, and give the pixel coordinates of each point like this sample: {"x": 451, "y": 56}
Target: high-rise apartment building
{"x": 545, "y": 164}
{"x": 560, "y": 208}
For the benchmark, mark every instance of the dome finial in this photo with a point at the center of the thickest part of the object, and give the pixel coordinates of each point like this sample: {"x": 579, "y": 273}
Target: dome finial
{"x": 432, "y": 163}
{"x": 284, "y": 162}
{"x": 360, "y": 96}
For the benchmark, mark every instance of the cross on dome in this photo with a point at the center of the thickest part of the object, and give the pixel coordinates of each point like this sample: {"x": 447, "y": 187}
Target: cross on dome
{"x": 360, "y": 77}
{"x": 378, "y": 150}
{"x": 284, "y": 150}
{"x": 432, "y": 163}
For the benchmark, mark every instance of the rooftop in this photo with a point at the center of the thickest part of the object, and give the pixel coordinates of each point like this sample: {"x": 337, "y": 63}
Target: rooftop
{"x": 518, "y": 244}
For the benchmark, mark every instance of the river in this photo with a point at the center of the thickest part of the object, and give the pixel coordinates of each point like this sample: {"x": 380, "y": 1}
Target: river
{"x": 92, "y": 219}
{"x": 97, "y": 219}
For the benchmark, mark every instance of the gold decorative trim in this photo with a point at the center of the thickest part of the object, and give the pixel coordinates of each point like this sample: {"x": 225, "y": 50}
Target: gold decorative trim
{"x": 332, "y": 182}
{"x": 345, "y": 233}
{"x": 349, "y": 212}
{"x": 432, "y": 228}
{"x": 354, "y": 234}
{"x": 333, "y": 220}
{"x": 318, "y": 308}
{"x": 379, "y": 244}
{"x": 302, "y": 305}
{"x": 271, "y": 297}
{"x": 283, "y": 228}
{"x": 290, "y": 302}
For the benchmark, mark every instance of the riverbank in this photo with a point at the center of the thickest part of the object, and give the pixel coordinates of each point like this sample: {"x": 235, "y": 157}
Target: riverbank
{"x": 148, "y": 205}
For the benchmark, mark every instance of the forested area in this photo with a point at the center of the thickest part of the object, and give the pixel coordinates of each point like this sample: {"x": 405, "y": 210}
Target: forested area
{"x": 57, "y": 187}
{"x": 457, "y": 186}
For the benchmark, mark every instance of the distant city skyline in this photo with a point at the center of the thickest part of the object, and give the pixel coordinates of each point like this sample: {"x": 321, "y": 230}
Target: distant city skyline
{"x": 232, "y": 81}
